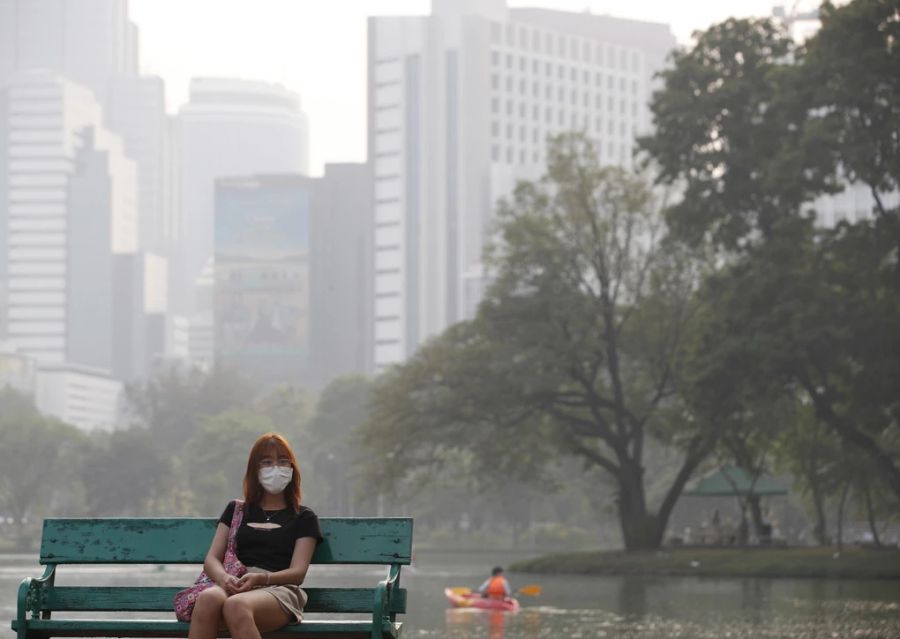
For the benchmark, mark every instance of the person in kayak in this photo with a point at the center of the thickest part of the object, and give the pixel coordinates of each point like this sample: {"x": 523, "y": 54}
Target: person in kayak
{"x": 496, "y": 586}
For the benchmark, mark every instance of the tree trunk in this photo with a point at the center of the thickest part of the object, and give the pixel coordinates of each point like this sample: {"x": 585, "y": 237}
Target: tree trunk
{"x": 743, "y": 528}
{"x": 756, "y": 515}
{"x": 641, "y": 532}
{"x": 640, "y": 529}
{"x": 820, "y": 529}
{"x": 840, "y": 516}
{"x": 870, "y": 515}
{"x": 853, "y": 436}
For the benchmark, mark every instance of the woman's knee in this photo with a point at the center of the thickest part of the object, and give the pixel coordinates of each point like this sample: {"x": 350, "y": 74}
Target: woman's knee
{"x": 210, "y": 602}
{"x": 236, "y": 609}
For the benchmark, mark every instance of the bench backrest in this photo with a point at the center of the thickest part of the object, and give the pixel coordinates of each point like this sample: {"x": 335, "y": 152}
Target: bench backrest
{"x": 382, "y": 540}
{"x": 348, "y": 540}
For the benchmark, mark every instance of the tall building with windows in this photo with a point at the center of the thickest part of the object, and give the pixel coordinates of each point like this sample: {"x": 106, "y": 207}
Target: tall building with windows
{"x": 94, "y": 45}
{"x": 87, "y": 41}
{"x": 67, "y": 203}
{"x": 461, "y": 103}
{"x": 230, "y": 128}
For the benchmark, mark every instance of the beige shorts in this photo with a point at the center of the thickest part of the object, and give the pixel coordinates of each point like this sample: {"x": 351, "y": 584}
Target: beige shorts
{"x": 291, "y": 597}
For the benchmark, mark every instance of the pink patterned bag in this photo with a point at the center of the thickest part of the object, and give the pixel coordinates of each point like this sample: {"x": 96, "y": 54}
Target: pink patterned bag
{"x": 185, "y": 599}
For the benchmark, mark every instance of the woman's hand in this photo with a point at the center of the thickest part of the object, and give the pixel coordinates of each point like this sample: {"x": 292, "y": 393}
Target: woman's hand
{"x": 249, "y": 581}
{"x": 231, "y": 585}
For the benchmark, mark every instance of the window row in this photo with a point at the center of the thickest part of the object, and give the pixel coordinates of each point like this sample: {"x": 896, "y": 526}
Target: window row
{"x": 612, "y": 128}
{"x": 623, "y": 85}
{"x": 625, "y": 108}
{"x": 563, "y": 46}
{"x": 610, "y": 152}
{"x": 536, "y": 67}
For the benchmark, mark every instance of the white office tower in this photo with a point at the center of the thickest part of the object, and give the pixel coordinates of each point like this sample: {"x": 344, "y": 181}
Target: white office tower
{"x": 48, "y": 128}
{"x": 87, "y": 41}
{"x": 461, "y": 103}
{"x": 94, "y": 44}
{"x": 230, "y": 127}
{"x": 81, "y": 396}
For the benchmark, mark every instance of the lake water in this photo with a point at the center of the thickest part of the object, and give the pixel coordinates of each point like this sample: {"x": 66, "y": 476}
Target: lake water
{"x": 572, "y": 607}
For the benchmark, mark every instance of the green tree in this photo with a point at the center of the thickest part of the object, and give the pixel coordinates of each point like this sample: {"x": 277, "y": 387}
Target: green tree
{"x": 342, "y": 409}
{"x": 288, "y": 407}
{"x": 852, "y": 64}
{"x": 809, "y": 451}
{"x": 817, "y": 319}
{"x": 576, "y": 349}
{"x": 35, "y": 457}
{"x": 729, "y": 127}
{"x": 123, "y": 472}
{"x": 754, "y": 128}
{"x": 174, "y": 402}
{"x": 214, "y": 461}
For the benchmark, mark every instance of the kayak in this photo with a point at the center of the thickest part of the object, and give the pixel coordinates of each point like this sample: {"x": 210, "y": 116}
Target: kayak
{"x": 474, "y": 600}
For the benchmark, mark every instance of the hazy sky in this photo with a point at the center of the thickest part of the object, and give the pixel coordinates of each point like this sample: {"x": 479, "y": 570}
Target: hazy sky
{"x": 318, "y": 48}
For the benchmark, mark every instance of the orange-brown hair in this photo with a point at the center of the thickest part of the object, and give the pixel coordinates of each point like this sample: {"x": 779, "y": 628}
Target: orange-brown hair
{"x": 253, "y": 490}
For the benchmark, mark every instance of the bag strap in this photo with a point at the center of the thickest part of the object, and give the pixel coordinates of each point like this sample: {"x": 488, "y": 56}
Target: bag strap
{"x": 236, "y": 518}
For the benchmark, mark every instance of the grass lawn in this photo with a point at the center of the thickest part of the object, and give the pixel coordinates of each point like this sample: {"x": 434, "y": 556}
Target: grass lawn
{"x": 851, "y": 563}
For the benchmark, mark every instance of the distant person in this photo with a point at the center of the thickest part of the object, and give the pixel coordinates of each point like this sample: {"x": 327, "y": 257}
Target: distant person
{"x": 496, "y": 586}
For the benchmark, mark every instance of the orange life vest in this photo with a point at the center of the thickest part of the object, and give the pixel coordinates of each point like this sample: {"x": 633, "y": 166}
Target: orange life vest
{"x": 496, "y": 588}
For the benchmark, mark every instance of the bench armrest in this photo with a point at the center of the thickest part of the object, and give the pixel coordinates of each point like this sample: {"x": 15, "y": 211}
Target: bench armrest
{"x": 383, "y": 600}
{"x": 31, "y": 598}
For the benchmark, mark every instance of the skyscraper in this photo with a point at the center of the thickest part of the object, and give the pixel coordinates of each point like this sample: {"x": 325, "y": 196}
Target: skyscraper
{"x": 93, "y": 46}
{"x": 87, "y": 41}
{"x": 136, "y": 110}
{"x": 230, "y": 128}
{"x": 461, "y": 103}
{"x": 341, "y": 300}
{"x": 49, "y": 123}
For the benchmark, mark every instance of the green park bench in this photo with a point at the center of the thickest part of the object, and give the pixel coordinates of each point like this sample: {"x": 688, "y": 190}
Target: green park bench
{"x": 379, "y": 541}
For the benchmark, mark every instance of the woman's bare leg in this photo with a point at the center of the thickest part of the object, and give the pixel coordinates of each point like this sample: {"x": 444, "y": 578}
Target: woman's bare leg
{"x": 207, "y": 616}
{"x": 249, "y": 613}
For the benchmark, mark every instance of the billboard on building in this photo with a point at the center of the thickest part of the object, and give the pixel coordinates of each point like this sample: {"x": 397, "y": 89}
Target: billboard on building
{"x": 262, "y": 278}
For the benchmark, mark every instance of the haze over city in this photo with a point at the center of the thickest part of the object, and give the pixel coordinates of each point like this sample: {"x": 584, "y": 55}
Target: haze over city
{"x": 582, "y": 314}
{"x": 294, "y": 43}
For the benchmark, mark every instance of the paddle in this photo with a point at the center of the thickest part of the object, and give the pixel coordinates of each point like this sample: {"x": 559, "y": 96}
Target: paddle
{"x": 531, "y": 590}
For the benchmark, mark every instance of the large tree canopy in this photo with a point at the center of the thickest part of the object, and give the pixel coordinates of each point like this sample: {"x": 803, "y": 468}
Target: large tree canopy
{"x": 729, "y": 127}
{"x": 755, "y": 129}
{"x": 577, "y": 348}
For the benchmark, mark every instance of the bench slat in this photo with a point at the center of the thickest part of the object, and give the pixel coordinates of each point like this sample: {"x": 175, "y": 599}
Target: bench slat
{"x": 348, "y": 540}
{"x": 157, "y": 628}
{"x": 159, "y": 599}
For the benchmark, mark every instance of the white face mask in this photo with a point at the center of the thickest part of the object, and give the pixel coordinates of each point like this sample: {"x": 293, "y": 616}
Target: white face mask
{"x": 275, "y": 478}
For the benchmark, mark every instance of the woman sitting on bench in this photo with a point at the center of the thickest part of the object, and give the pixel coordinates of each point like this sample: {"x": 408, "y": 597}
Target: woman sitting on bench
{"x": 275, "y": 541}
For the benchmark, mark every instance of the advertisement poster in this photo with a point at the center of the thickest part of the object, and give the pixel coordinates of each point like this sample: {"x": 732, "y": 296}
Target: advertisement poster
{"x": 262, "y": 279}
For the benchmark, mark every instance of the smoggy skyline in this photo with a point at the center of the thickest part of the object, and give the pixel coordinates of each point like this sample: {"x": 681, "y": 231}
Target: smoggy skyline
{"x": 319, "y": 49}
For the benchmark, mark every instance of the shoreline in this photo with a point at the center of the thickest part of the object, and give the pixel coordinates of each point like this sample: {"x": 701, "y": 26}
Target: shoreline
{"x": 775, "y": 563}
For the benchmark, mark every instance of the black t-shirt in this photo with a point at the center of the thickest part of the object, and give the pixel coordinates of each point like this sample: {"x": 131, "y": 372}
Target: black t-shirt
{"x": 271, "y": 548}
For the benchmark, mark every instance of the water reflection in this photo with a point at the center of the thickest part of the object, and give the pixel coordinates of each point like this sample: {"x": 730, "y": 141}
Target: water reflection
{"x": 631, "y": 601}
{"x": 755, "y": 596}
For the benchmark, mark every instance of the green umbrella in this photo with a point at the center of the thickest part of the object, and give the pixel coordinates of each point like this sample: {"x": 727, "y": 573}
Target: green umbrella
{"x": 732, "y": 481}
